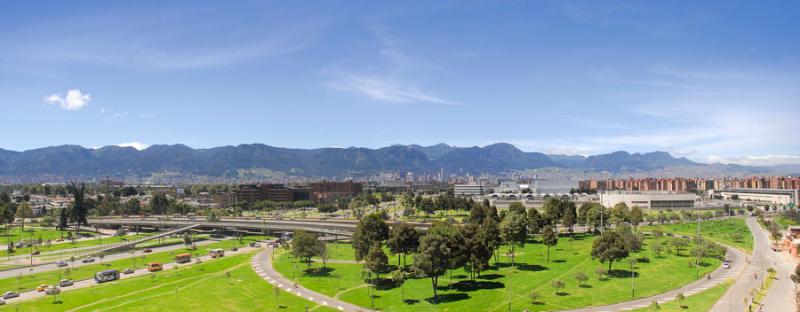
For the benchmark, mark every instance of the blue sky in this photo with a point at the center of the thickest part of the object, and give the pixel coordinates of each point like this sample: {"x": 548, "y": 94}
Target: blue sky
{"x": 716, "y": 81}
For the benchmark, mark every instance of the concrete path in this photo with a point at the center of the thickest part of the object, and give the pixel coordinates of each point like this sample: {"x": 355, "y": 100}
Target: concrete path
{"x": 263, "y": 266}
{"x": 779, "y": 297}
{"x": 738, "y": 262}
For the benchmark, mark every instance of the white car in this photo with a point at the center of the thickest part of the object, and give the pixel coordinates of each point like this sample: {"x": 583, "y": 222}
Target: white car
{"x": 10, "y": 294}
{"x": 726, "y": 265}
{"x": 61, "y": 263}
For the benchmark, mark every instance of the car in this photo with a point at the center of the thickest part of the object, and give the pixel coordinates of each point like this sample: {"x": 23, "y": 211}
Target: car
{"x": 50, "y": 290}
{"x": 65, "y": 283}
{"x": 87, "y": 260}
{"x": 10, "y": 294}
{"x": 726, "y": 265}
{"x": 154, "y": 266}
{"x": 147, "y": 250}
{"x": 60, "y": 240}
{"x": 42, "y": 287}
{"x": 61, "y": 263}
{"x": 128, "y": 271}
{"x": 35, "y": 253}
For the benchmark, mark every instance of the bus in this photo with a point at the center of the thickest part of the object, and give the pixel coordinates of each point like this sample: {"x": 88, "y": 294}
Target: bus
{"x": 154, "y": 266}
{"x": 183, "y": 258}
{"x": 106, "y": 276}
{"x": 216, "y": 253}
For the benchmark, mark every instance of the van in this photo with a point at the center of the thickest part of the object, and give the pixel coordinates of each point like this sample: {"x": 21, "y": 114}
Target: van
{"x": 183, "y": 258}
{"x": 154, "y": 266}
{"x": 106, "y": 276}
{"x": 216, "y": 253}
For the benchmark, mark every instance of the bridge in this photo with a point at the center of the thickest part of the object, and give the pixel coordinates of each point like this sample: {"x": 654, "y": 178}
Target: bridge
{"x": 132, "y": 244}
{"x": 330, "y": 227}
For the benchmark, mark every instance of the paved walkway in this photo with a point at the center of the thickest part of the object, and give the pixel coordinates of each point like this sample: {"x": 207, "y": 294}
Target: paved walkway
{"x": 738, "y": 262}
{"x": 781, "y": 294}
{"x": 263, "y": 266}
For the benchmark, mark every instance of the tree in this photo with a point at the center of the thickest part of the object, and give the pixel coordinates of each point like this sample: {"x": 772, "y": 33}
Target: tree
{"x": 633, "y": 241}
{"x": 514, "y": 231}
{"x": 609, "y": 247}
{"x": 478, "y": 213}
{"x": 79, "y": 210}
{"x": 549, "y": 238}
{"x": 654, "y": 306}
{"x": 431, "y": 259}
{"x": 583, "y": 214}
{"x": 570, "y": 216}
{"x": 303, "y": 245}
{"x": 534, "y": 221}
{"x": 403, "y": 240}
{"x": 773, "y": 228}
{"x": 534, "y": 295}
{"x": 600, "y": 271}
{"x": 376, "y": 260}
{"x": 55, "y": 291}
{"x": 679, "y": 243}
{"x": 679, "y": 297}
{"x": 187, "y": 239}
{"x": 321, "y": 251}
{"x": 657, "y": 248}
{"x": 490, "y": 232}
{"x": 476, "y": 249}
{"x": 619, "y": 213}
{"x": 159, "y": 204}
{"x": 635, "y": 217}
{"x": 371, "y": 230}
{"x": 399, "y": 277}
{"x": 581, "y": 277}
{"x": 24, "y": 211}
{"x": 557, "y": 284}
{"x": 133, "y": 206}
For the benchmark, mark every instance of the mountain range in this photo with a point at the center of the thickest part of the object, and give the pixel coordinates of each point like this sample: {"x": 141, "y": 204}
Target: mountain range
{"x": 233, "y": 161}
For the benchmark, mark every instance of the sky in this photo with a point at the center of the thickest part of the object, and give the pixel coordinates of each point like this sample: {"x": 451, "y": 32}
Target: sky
{"x": 715, "y": 81}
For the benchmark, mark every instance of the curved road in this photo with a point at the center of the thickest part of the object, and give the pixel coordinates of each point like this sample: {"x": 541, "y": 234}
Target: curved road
{"x": 263, "y": 267}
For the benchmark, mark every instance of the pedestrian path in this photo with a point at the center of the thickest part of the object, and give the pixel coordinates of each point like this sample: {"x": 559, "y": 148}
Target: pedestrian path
{"x": 263, "y": 267}
{"x": 720, "y": 275}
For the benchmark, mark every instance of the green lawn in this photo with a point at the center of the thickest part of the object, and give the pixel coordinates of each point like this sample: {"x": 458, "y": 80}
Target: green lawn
{"x": 69, "y": 245}
{"x": 30, "y": 281}
{"x": 702, "y": 301}
{"x": 203, "y": 287}
{"x": 723, "y": 231}
{"x": 496, "y": 286}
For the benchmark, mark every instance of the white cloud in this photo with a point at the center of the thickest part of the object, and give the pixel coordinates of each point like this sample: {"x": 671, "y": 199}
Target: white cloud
{"x": 75, "y": 100}
{"x": 137, "y": 145}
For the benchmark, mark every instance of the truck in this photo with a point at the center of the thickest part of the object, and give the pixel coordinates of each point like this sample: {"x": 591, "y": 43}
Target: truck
{"x": 106, "y": 276}
{"x": 183, "y": 258}
{"x": 154, "y": 266}
{"x": 216, "y": 253}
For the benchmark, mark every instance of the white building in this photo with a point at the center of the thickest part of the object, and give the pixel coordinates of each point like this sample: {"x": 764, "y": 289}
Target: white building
{"x": 649, "y": 199}
{"x": 772, "y": 196}
{"x": 471, "y": 189}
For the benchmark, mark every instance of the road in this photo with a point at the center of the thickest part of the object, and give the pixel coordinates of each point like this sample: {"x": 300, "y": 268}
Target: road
{"x": 779, "y": 296}
{"x": 30, "y": 295}
{"x": 78, "y": 263}
{"x": 263, "y": 266}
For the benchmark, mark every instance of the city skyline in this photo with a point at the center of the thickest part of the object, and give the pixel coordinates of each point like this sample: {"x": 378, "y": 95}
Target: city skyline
{"x": 700, "y": 80}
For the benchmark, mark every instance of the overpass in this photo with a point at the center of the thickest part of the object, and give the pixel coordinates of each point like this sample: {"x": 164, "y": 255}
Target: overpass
{"x": 331, "y": 227}
{"x": 132, "y": 244}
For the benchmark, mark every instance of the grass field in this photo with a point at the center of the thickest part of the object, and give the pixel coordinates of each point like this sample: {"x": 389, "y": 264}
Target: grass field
{"x": 30, "y": 281}
{"x": 15, "y": 234}
{"x": 702, "y": 301}
{"x": 723, "y": 231}
{"x": 228, "y": 284}
{"x": 69, "y": 245}
{"x": 498, "y": 286}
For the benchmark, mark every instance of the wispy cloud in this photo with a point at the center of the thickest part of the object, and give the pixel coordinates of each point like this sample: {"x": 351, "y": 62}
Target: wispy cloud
{"x": 393, "y": 81}
{"x": 74, "y": 100}
{"x": 767, "y": 160}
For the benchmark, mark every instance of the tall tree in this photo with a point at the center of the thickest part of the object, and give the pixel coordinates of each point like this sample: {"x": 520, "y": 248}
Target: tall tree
{"x": 376, "y": 261}
{"x": 514, "y": 231}
{"x": 636, "y": 217}
{"x": 609, "y": 247}
{"x": 619, "y": 213}
{"x": 159, "y": 204}
{"x": 549, "y": 238}
{"x": 478, "y": 213}
{"x": 24, "y": 211}
{"x": 476, "y": 248}
{"x": 431, "y": 260}
{"x": 370, "y": 231}
{"x": 490, "y": 232}
{"x": 79, "y": 209}
{"x": 534, "y": 221}
{"x": 570, "y": 215}
{"x": 553, "y": 209}
{"x": 403, "y": 240}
